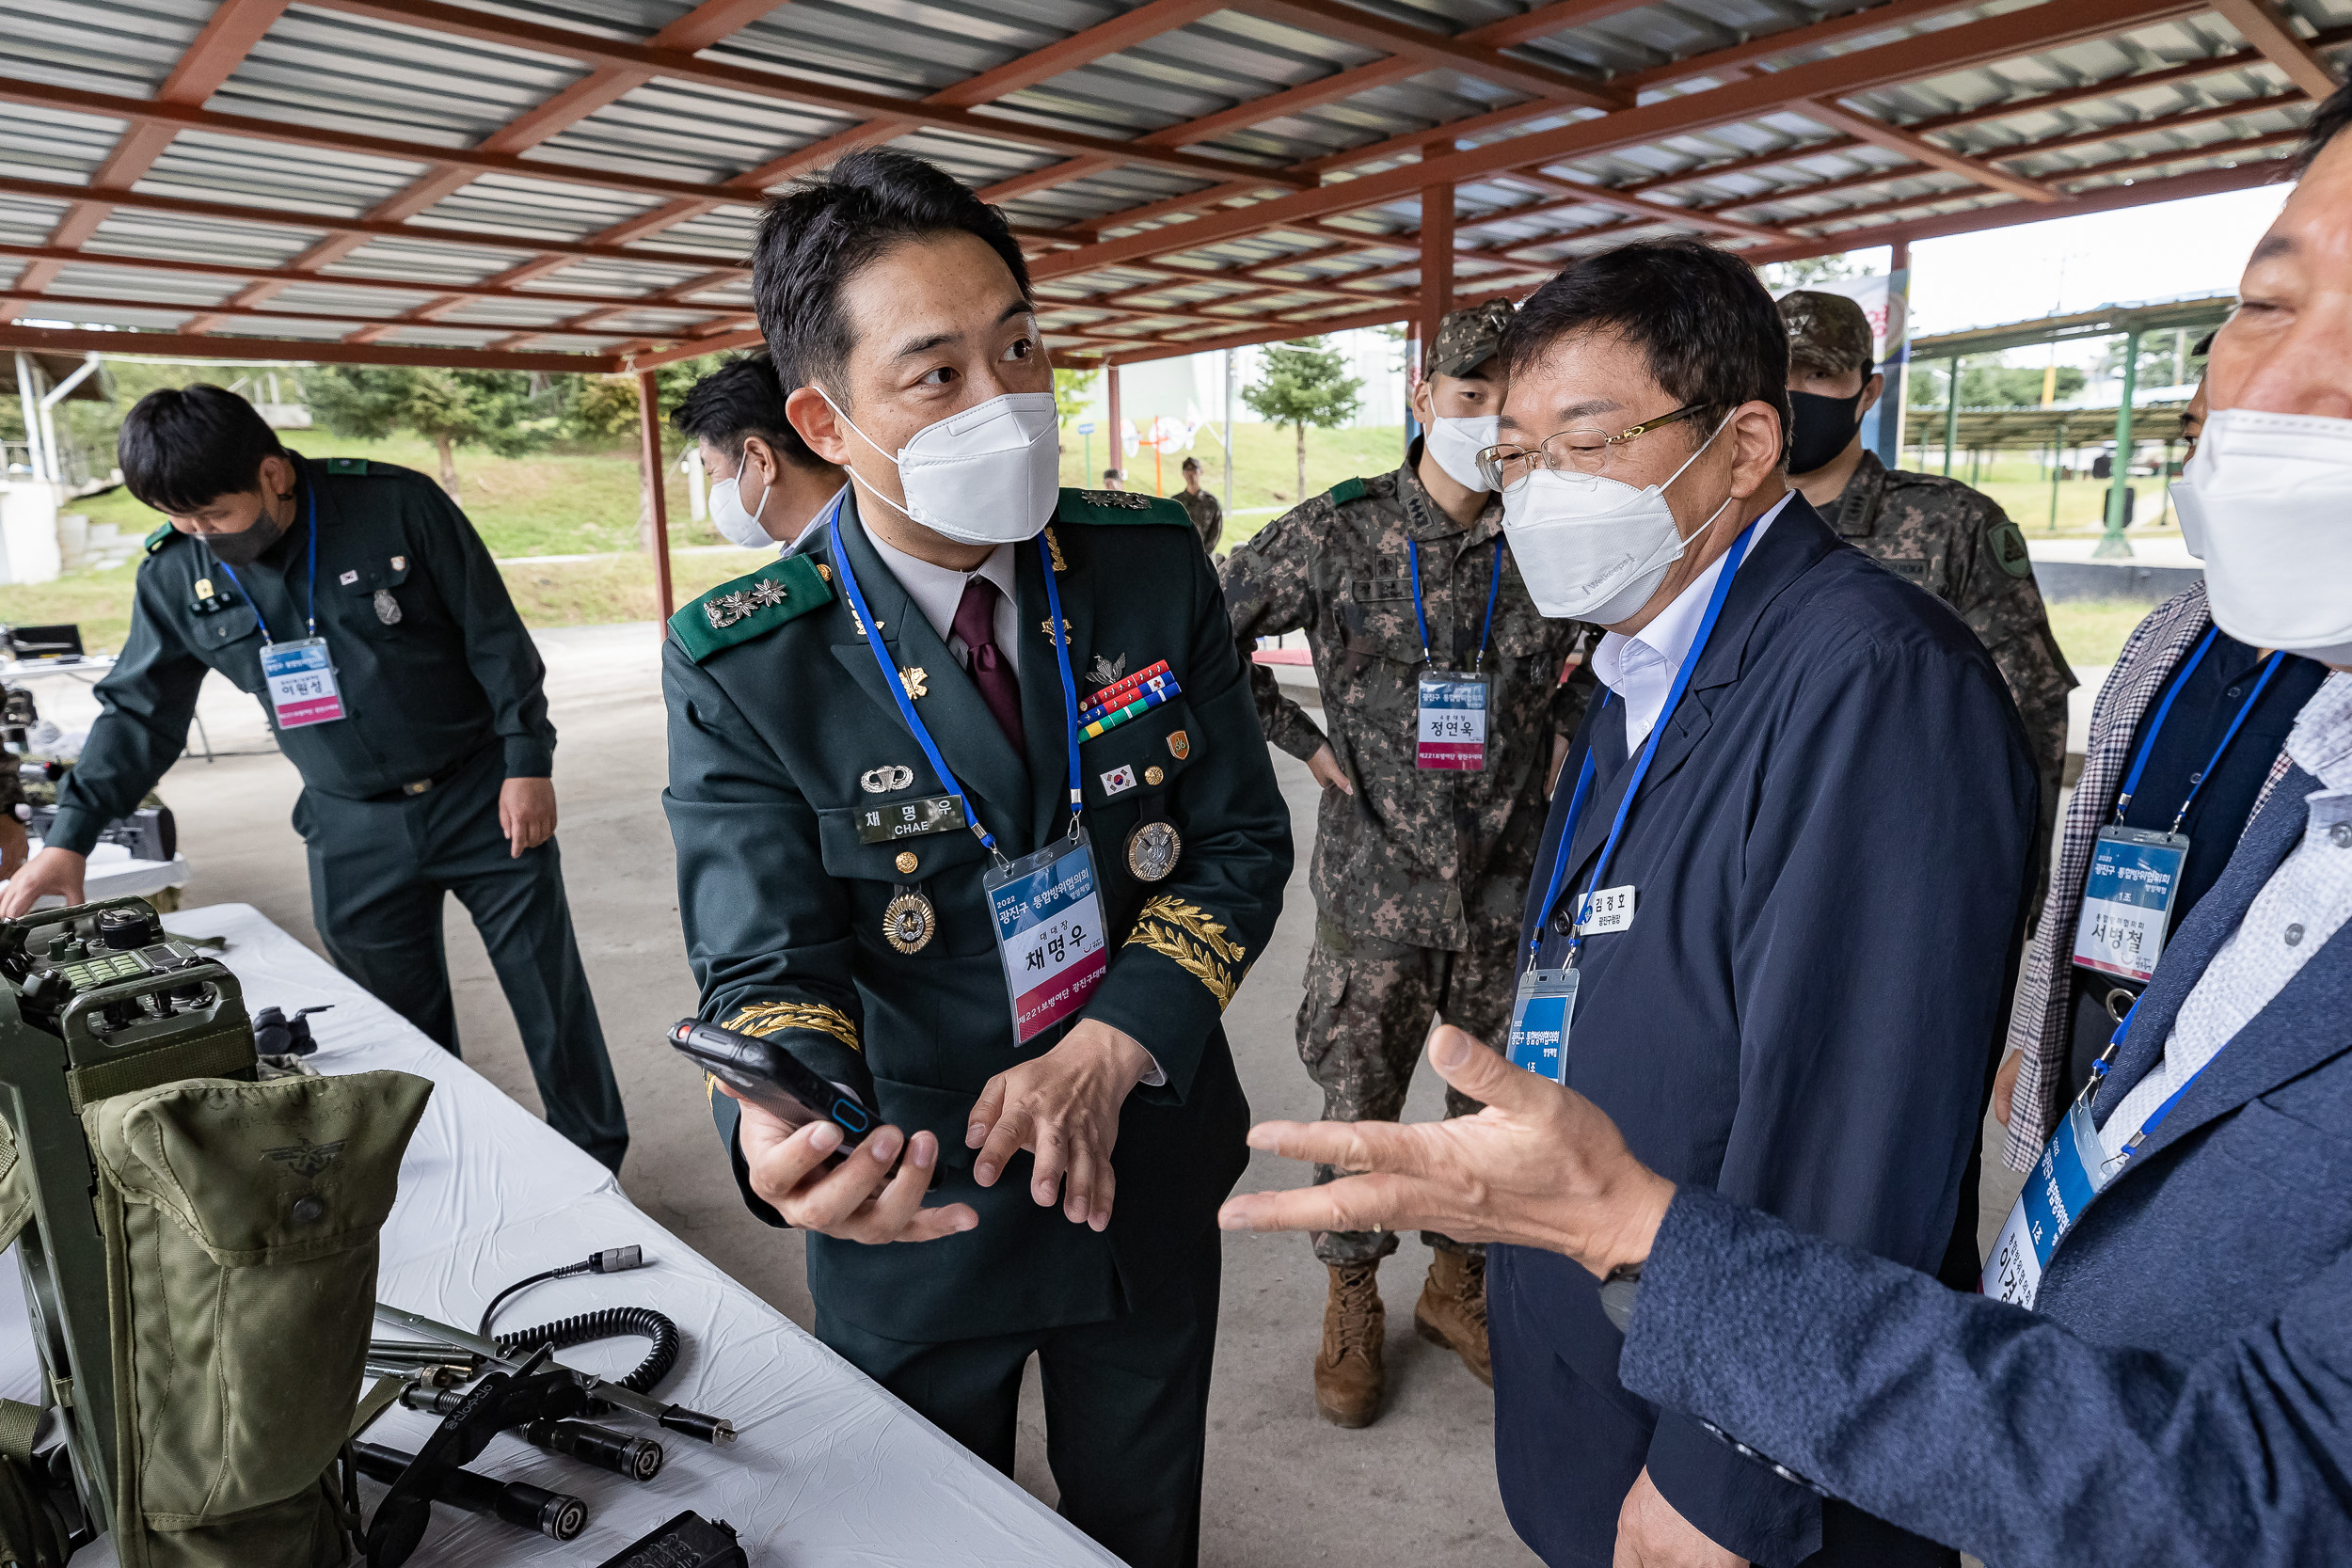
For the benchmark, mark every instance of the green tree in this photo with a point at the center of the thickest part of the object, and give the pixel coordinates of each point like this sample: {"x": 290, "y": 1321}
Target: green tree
{"x": 1993, "y": 385}
{"x": 1781, "y": 276}
{"x": 1071, "y": 388}
{"x": 501, "y": 410}
{"x": 1304, "y": 382}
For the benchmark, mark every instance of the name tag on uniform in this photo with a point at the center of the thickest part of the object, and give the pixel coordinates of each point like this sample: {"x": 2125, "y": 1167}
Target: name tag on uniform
{"x": 2127, "y": 901}
{"x": 907, "y": 820}
{"x": 1610, "y": 910}
{"x": 1049, "y": 933}
{"x": 301, "y": 681}
{"x": 1454, "y": 704}
{"x": 1540, "y": 1014}
{"x": 2069, "y": 1175}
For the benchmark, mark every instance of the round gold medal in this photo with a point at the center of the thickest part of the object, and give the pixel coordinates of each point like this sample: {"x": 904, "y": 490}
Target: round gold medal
{"x": 909, "y": 922}
{"x": 1152, "y": 849}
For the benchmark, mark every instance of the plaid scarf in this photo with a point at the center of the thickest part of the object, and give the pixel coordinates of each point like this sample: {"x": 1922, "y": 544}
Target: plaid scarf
{"x": 2041, "y": 1024}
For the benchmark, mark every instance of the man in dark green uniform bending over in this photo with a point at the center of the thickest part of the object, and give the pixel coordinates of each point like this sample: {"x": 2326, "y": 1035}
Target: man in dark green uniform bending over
{"x": 358, "y": 606}
{"x": 844, "y": 725}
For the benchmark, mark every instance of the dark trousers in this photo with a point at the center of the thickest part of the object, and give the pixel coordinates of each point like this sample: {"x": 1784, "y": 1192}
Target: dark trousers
{"x": 380, "y": 870}
{"x": 1126, "y": 1408}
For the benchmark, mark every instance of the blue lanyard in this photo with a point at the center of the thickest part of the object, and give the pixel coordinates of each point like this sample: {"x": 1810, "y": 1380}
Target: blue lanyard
{"x": 1640, "y": 769}
{"x": 312, "y": 619}
{"x": 1494, "y": 587}
{"x": 906, "y": 704}
{"x": 2099, "y": 1072}
{"x": 2164, "y": 711}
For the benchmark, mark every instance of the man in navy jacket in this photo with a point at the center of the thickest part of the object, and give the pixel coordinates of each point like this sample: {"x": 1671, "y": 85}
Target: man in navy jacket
{"x": 1824, "y": 864}
{"x": 2181, "y": 1391}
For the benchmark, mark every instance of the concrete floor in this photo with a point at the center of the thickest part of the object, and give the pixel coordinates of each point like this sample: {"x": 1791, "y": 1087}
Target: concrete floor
{"x": 1283, "y": 1488}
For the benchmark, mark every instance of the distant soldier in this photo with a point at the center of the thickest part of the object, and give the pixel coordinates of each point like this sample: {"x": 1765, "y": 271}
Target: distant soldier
{"x": 1442, "y": 696}
{"x": 1954, "y": 542}
{"x": 1201, "y": 506}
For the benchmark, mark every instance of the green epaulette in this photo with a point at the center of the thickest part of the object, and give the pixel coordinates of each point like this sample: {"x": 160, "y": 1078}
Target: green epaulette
{"x": 347, "y": 465}
{"x": 1346, "y": 490}
{"x": 1120, "y": 506}
{"x": 752, "y": 606}
{"x": 158, "y": 539}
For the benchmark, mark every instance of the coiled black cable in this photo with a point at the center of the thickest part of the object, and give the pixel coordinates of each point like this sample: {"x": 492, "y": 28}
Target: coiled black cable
{"x": 611, "y": 1323}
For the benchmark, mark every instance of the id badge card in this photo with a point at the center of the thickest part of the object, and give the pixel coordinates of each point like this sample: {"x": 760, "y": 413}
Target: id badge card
{"x": 2127, "y": 901}
{"x": 1454, "y": 707}
{"x": 2069, "y": 1175}
{"x": 301, "y": 681}
{"x": 1048, "y": 910}
{"x": 1540, "y": 1022}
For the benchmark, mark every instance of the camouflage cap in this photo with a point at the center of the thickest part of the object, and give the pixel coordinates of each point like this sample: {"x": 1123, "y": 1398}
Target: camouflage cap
{"x": 1467, "y": 339}
{"x": 1826, "y": 331}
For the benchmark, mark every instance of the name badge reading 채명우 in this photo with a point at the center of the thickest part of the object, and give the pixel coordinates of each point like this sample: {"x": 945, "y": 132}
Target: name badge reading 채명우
{"x": 301, "y": 681}
{"x": 1540, "y": 1014}
{"x": 898, "y": 820}
{"x": 1452, "y": 720}
{"x": 1048, "y": 910}
{"x": 2127, "y": 901}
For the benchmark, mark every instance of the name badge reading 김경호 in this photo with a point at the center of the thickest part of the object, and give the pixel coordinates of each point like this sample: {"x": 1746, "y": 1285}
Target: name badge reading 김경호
{"x": 1049, "y": 933}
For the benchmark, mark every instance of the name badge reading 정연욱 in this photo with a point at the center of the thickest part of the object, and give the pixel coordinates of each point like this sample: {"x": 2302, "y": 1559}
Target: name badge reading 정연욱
{"x": 1540, "y": 1014}
{"x": 1049, "y": 931}
{"x": 301, "y": 681}
{"x": 1452, "y": 720}
{"x": 2127, "y": 901}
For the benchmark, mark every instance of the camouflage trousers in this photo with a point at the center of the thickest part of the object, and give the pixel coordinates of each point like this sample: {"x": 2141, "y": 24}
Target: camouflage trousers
{"x": 1370, "y": 1005}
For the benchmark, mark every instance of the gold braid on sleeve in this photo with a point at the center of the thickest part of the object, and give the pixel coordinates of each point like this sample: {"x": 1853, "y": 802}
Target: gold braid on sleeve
{"x": 1187, "y": 934}
{"x": 762, "y": 1019}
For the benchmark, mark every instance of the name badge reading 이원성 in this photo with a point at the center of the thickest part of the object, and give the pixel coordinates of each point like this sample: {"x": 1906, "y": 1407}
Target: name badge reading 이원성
{"x": 301, "y": 681}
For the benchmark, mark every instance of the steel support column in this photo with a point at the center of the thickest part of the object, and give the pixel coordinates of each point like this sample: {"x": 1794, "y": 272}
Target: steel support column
{"x": 2112, "y": 545}
{"x": 1115, "y": 449}
{"x": 1894, "y": 364}
{"x": 1951, "y": 415}
{"x": 1436, "y": 257}
{"x": 657, "y": 503}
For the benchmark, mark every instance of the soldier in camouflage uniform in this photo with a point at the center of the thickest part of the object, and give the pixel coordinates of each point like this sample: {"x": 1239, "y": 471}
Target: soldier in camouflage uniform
{"x": 1208, "y": 518}
{"x": 1418, "y": 874}
{"x": 1952, "y": 541}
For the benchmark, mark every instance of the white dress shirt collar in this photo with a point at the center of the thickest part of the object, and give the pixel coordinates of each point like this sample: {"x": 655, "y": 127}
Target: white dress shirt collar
{"x": 938, "y": 590}
{"x": 1640, "y": 668}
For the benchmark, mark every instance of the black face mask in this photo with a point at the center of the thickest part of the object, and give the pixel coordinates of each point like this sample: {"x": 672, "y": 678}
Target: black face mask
{"x": 245, "y": 548}
{"x": 1822, "y": 428}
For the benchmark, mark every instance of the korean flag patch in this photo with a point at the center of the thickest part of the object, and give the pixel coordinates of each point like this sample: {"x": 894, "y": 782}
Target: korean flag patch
{"x": 1119, "y": 779}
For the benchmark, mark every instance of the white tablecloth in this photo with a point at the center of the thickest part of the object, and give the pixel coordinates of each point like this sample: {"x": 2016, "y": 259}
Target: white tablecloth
{"x": 829, "y": 1468}
{"x": 113, "y": 874}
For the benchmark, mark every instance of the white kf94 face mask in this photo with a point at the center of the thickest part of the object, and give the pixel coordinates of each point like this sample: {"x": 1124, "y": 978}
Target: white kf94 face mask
{"x": 990, "y": 475}
{"x": 1456, "y": 443}
{"x": 1594, "y": 549}
{"x": 728, "y": 516}
{"x": 2272, "y": 494}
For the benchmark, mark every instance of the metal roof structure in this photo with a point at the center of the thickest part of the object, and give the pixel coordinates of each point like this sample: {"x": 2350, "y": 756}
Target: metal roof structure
{"x": 2191, "y": 313}
{"x": 571, "y": 184}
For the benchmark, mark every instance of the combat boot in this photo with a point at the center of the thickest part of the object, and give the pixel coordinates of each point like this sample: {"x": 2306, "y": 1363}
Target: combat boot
{"x": 1350, "y": 1371}
{"x": 1452, "y": 1309}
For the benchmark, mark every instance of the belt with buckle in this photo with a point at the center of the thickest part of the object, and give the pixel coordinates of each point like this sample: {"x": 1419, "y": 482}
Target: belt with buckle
{"x": 418, "y": 787}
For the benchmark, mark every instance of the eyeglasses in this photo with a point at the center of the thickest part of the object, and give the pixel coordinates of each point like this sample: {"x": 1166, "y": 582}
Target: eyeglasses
{"x": 1507, "y": 468}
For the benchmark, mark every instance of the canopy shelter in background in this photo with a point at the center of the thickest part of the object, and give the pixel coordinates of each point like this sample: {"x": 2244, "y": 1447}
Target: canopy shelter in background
{"x": 2055, "y": 429}
{"x": 573, "y": 186}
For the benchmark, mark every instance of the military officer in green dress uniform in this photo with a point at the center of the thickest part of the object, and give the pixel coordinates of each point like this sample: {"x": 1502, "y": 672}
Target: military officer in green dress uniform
{"x": 358, "y": 606}
{"x": 972, "y": 813}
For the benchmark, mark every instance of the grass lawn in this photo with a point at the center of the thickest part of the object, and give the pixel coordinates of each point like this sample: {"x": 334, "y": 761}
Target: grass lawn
{"x": 2091, "y": 631}
{"x": 2022, "y": 488}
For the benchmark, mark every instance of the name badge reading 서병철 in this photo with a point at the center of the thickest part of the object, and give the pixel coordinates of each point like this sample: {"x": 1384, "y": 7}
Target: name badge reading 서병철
{"x": 1609, "y": 909}
{"x": 907, "y": 820}
{"x": 1048, "y": 910}
{"x": 1452, "y": 720}
{"x": 1540, "y": 1014}
{"x": 2127, "y": 901}
{"x": 301, "y": 681}
{"x": 2067, "y": 1177}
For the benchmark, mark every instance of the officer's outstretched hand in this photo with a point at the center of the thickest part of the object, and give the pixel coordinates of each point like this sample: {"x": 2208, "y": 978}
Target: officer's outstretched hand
{"x": 525, "y": 814}
{"x": 857, "y": 1200}
{"x": 1063, "y": 1107}
{"x": 1540, "y": 1166}
{"x": 58, "y": 871}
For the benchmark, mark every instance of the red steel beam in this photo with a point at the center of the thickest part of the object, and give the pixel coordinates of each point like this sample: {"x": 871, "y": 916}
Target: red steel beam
{"x": 1953, "y": 48}
{"x": 2280, "y": 43}
{"x": 657, "y": 493}
{"x": 177, "y": 345}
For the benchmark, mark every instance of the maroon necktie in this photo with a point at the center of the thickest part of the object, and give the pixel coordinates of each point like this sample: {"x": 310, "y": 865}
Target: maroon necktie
{"x": 991, "y": 671}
